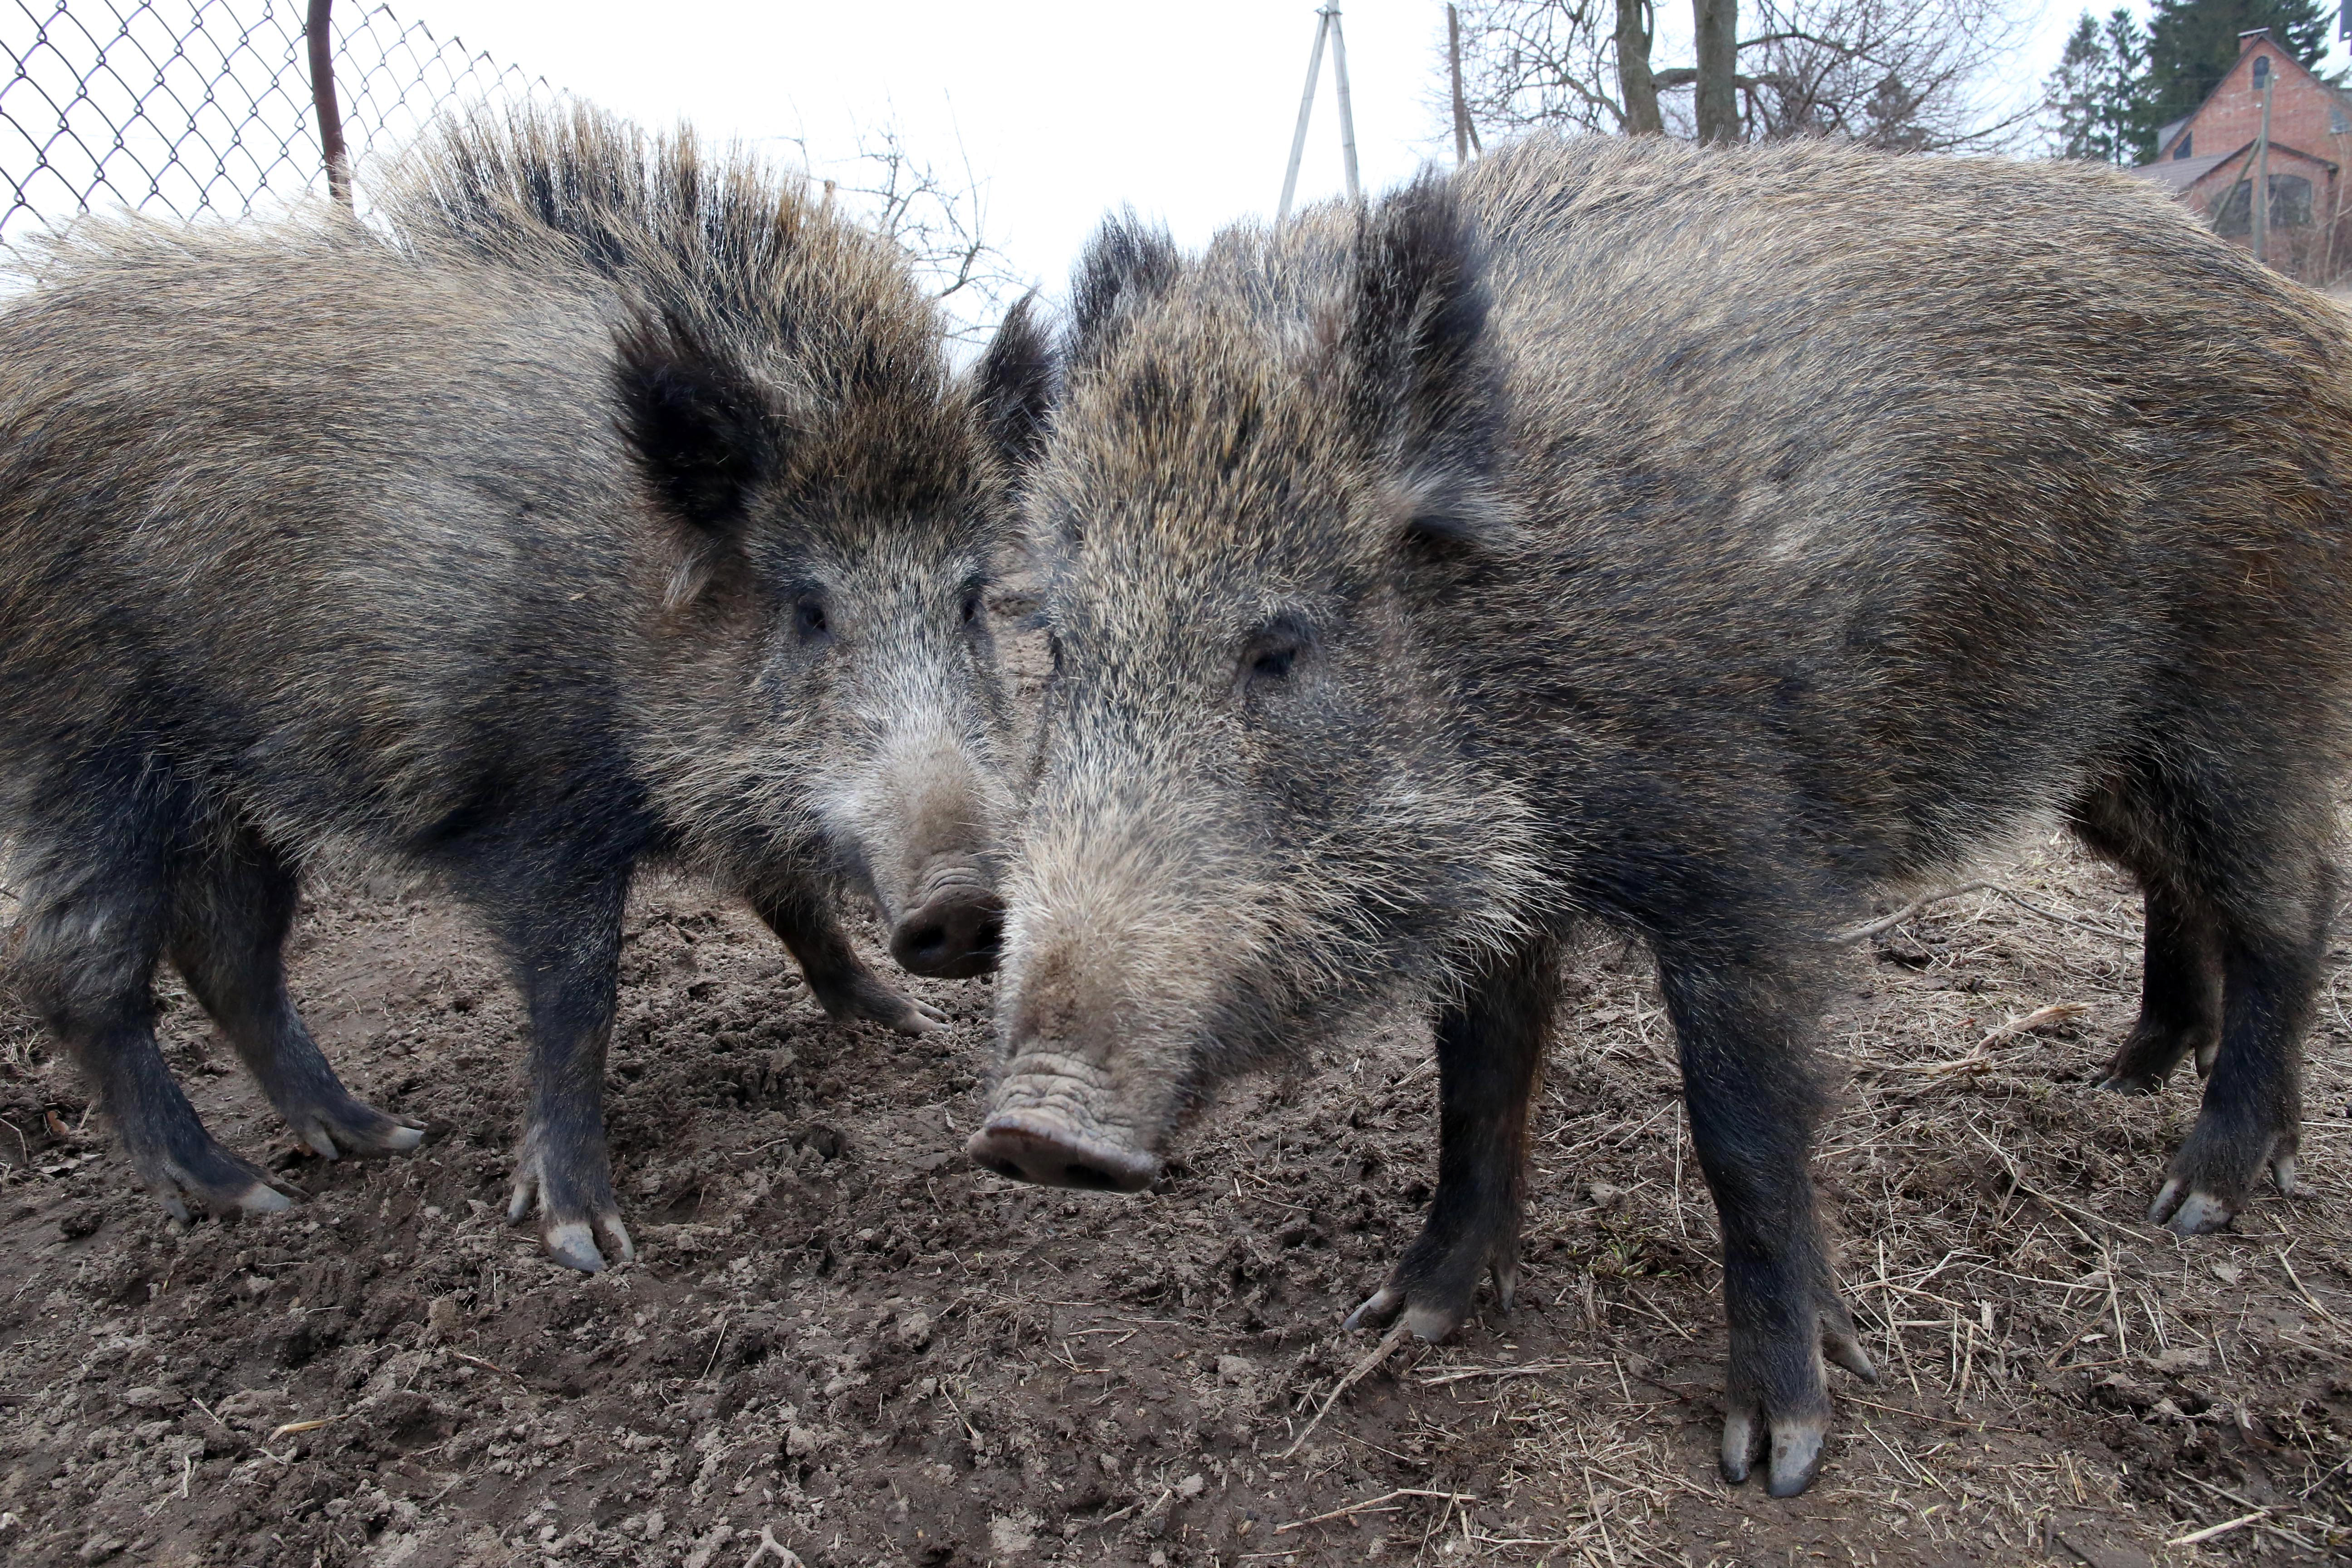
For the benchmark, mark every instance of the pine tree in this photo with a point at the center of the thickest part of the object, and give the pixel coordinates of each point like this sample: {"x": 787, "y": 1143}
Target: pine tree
{"x": 2191, "y": 45}
{"x": 2093, "y": 99}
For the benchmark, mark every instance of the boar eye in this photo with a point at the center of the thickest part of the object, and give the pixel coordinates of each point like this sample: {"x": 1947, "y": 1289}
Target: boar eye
{"x": 1268, "y": 658}
{"x": 811, "y": 622}
{"x": 970, "y": 608}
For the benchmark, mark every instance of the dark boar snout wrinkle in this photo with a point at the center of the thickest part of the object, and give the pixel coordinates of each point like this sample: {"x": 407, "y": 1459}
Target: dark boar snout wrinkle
{"x": 606, "y": 502}
{"x": 1696, "y": 542}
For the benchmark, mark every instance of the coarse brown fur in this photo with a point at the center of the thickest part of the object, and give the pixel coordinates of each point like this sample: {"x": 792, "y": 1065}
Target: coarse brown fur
{"x": 1691, "y": 542}
{"x": 609, "y": 501}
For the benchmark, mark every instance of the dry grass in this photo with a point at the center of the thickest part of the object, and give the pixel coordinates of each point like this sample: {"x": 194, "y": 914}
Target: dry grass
{"x": 2053, "y": 1368}
{"x": 1139, "y": 1381}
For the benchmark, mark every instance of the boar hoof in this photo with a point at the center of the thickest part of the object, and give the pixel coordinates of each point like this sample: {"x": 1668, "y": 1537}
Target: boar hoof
{"x": 2185, "y": 1212}
{"x": 1793, "y": 1443}
{"x": 571, "y": 1221}
{"x": 1778, "y": 1405}
{"x": 573, "y": 1242}
{"x": 1435, "y": 1281}
{"x": 2282, "y": 1172}
{"x": 865, "y": 999}
{"x": 2149, "y": 1053}
{"x": 2212, "y": 1177}
{"x": 1841, "y": 1346}
{"x": 1427, "y": 1321}
{"x": 352, "y": 1127}
{"x": 921, "y": 1018}
{"x": 2133, "y": 1083}
{"x": 226, "y": 1185}
{"x": 573, "y": 1245}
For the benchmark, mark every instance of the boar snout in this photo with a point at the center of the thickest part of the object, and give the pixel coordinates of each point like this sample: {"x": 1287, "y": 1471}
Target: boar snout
{"x": 956, "y": 926}
{"x": 1043, "y": 1131}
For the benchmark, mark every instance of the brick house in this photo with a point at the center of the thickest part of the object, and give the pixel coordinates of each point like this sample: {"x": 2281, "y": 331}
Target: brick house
{"x": 2207, "y": 159}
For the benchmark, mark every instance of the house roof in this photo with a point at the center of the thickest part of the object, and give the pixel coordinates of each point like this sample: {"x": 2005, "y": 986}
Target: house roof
{"x": 2168, "y": 134}
{"x": 2177, "y": 174}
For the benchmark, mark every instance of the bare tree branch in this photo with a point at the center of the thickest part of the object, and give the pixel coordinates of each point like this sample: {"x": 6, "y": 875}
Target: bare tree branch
{"x": 1913, "y": 75}
{"x": 939, "y": 217}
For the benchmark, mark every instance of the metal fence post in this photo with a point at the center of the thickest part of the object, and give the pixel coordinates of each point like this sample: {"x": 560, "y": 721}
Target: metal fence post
{"x": 323, "y": 94}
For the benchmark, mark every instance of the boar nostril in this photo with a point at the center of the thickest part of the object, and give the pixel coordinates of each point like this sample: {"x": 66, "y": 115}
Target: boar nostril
{"x": 953, "y": 937}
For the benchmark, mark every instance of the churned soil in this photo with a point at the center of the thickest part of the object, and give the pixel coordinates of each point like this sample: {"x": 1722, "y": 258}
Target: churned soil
{"x": 842, "y": 1344}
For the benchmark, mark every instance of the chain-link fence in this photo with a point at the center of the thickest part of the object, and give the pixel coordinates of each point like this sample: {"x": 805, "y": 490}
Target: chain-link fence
{"x": 190, "y": 107}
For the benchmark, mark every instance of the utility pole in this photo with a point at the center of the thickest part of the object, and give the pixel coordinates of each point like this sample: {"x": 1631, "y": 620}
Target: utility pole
{"x": 2262, "y": 191}
{"x": 1326, "y": 26}
{"x": 1347, "y": 115}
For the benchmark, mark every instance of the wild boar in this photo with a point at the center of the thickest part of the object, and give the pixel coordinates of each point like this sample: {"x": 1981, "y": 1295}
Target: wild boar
{"x": 1694, "y": 543}
{"x": 607, "y": 502}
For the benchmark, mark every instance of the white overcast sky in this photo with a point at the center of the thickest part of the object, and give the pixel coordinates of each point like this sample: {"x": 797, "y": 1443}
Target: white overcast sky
{"x": 1064, "y": 109}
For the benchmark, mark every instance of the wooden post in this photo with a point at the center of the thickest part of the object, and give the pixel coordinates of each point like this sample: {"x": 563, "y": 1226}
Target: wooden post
{"x": 1306, "y": 112}
{"x": 2262, "y": 177}
{"x": 1346, "y": 115}
{"x": 323, "y": 94}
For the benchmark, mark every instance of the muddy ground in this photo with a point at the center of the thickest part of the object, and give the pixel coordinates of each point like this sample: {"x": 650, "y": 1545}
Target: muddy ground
{"x": 843, "y": 1341}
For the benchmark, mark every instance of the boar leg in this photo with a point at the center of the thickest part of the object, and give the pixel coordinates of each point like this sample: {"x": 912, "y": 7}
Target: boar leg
{"x": 96, "y": 892}
{"x": 1749, "y": 1087}
{"x": 841, "y": 980}
{"x": 564, "y": 943}
{"x": 229, "y": 917}
{"x": 1490, "y": 1048}
{"x": 2238, "y": 910}
{"x": 2274, "y": 944}
{"x": 2180, "y": 970}
{"x": 2181, "y": 1012}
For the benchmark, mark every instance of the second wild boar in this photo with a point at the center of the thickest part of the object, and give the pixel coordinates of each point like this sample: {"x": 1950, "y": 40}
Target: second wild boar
{"x": 610, "y": 503}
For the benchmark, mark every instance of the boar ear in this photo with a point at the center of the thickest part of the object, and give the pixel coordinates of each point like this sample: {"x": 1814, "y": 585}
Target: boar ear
{"x": 1015, "y": 383}
{"x": 1421, "y": 369}
{"x": 702, "y": 433}
{"x": 1126, "y": 265}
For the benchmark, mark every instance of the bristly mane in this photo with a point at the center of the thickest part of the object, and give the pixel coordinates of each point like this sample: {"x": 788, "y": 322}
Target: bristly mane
{"x": 715, "y": 236}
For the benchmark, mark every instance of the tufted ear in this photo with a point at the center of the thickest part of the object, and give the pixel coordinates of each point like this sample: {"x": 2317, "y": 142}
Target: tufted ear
{"x": 703, "y": 434}
{"x": 1126, "y": 265}
{"x": 1420, "y": 367}
{"x": 1013, "y": 384}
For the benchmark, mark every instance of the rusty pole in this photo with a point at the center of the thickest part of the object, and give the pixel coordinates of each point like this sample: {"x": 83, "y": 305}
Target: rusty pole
{"x": 1454, "y": 67}
{"x": 323, "y": 94}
